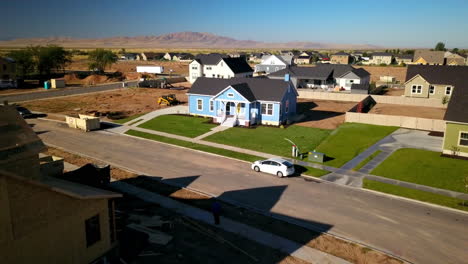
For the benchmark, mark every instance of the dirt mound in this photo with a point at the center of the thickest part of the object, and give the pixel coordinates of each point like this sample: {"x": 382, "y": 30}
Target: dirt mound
{"x": 95, "y": 79}
{"x": 72, "y": 77}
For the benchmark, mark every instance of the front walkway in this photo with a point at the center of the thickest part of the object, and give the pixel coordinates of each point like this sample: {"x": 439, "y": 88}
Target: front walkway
{"x": 178, "y": 109}
{"x": 289, "y": 247}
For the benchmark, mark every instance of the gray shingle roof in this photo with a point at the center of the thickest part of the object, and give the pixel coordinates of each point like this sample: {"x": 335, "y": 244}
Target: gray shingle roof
{"x": 238, "y": 65}
{"x": 318, "y": 73}
{"x": 361, "y": 72}
{"x": 210, "y": 59}
{"x": 382, "y": 54}
{"x": 341, "y": 54}
{"x": 338, "y": 69}
{"x": 430, "y": 56}
{"x": 260, "y": 88}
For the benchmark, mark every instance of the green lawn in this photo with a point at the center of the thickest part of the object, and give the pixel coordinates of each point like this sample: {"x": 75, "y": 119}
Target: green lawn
{"x": 415, "y": 194}
{"x": 228, "y": 153}
{"x": 350, "y": 139}
{"x": 188, "y": 126}
{"x": 366, "y": 160}
{"x": 424, "y": 167}
{"x": 271, "y": 139}
{"x": 125, "y": 120}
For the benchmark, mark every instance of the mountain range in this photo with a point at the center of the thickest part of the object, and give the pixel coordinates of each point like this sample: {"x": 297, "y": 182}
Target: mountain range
{"x": 176, "y": 40}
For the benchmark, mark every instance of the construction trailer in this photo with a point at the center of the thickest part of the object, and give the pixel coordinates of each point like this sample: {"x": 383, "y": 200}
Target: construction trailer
{"x": 150, "y": 69}
{"x": 57, "y": 83}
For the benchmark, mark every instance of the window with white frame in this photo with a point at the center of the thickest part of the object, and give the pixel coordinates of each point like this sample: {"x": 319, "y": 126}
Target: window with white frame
{"x": 199, "y": 104}
{"x": 416, "y": 89}
{"x": 463, "y": 139}
{"x": 208, "y": 68}
{"x": 448, "y": 90}
{"x": 194, "y": 68}
{"x": 267, "y": 109}
{"x": 211, "y": 106}
{"x": 230, "y": 95}
{"x": 431, "y": 89}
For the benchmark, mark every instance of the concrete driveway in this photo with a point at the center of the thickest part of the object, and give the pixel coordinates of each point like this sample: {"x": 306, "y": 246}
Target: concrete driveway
{"x": 414, "y": 231}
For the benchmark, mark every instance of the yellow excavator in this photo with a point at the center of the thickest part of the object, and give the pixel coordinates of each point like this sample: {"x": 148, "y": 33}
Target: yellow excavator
{"x": 168, "y": 100}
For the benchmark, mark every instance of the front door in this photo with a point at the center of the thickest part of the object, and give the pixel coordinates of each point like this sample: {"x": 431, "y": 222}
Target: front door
{"x": 230, "y": 108}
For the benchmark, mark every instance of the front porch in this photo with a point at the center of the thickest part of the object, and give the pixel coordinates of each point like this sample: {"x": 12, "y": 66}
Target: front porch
{"x": 233, "y": 113}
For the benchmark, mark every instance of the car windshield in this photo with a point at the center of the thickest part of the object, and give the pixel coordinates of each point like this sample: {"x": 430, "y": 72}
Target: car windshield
{"x": 288, "y": 164}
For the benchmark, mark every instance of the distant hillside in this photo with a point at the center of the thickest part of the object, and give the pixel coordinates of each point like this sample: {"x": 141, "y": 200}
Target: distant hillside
{"x": 175, "y": 40}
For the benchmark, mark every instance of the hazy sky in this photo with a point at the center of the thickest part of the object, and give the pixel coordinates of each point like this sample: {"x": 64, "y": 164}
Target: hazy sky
{"x": 398, "y": 23}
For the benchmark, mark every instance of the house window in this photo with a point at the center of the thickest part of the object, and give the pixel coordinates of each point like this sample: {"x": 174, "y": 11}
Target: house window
{"x": 93, "y": 230}
{"x": 199, "y": 104}
{"x": 448, "y": 90}
{"x": 214, "y": 75}
{"x": 230, "y": 95}
{"x": 194, "y": 76}
{"x": 431, "y": 89}
{"x": 195, "y": 68}
{"x": 211, "y": 106}
{"x": 208, "y": 68}
{"x": 416, "y": 89}
{"x": 267, "y": 109}
{"x": 463, "y": 139}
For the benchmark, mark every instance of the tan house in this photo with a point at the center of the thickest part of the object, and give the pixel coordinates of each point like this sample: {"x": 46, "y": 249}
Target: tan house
{"x": 424, "y": 81}
{"x": 303, "y": 59}
{"x": 454, "y": 59}
{"x": 428, "y": 57}
{"x": 404, "y": 59}
{"x": 149, "y": 56}
{"x": 45, "y": 219}
{"x": 379, "y": 58}
{"x": 340, "y": 58}
{"x": 7, "y": 69}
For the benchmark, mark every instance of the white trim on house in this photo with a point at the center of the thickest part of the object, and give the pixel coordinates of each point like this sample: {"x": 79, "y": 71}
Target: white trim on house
{"x": 459, "y": 139}
{"x": 216, "y": 95}
{"x": 417, "y": 87}
{"x": 450, "y": 88}
{"x": 417, "y": 75}
{"x": 266, "y": 109}
{"x": 199, "y": 101}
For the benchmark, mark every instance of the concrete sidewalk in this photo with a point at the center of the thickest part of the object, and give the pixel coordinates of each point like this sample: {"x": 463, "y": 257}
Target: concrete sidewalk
{"x": 178, "y": 109}
{"x": 292, "y": 248}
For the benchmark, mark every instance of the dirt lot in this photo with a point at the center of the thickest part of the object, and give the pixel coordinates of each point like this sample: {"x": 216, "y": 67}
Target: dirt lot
{"x": 323, "y": 113}
{"x": 114, "y": 104}
{"x": 406, "y": 110}
{"x": 189, "y": 246}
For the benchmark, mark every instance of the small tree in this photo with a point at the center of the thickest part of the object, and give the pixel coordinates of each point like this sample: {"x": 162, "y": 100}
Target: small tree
{"x": 440, "y": 46}
{"x": 24, "y": 61}
{"x": 445, "y": 100}
{"x": 100, "y": 59}
{"x": 455, "y": 50}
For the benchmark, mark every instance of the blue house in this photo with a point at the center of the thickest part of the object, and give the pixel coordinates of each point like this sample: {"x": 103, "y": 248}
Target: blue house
{"x": 243, "y": 101}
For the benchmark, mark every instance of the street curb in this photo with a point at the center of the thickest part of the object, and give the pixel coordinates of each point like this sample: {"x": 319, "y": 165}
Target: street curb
{"x": 235, "y": 203}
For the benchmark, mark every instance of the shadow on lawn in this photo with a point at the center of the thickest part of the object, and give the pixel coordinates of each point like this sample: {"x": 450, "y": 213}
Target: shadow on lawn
{"x": 262, "y": 199}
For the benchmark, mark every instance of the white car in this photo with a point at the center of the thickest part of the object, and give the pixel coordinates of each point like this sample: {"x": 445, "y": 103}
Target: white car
{"x": 279, "y": 167}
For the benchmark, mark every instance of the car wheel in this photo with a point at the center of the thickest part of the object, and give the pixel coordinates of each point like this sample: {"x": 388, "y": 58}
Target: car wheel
{"x": 256, "y": 168}
{"x": 279, "y": 174}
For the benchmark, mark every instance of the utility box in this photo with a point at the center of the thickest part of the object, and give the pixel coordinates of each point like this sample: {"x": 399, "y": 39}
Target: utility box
{"x": 316, "y": 156}
{"x": 57, "y": 83}
{"x": 47, "y": 85}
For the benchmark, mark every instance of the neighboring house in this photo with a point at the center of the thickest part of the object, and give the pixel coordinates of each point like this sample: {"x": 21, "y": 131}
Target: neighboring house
{"x": 150, "y": 56}
{"x": 340, "y": 58}
{"x": 291, "y": 53}
{"x": 273, "y": 63}
{"x": 218, "y": 66}
{"x": 168, "y": 56}
{"x": 183, "y": 57}
{"x": 45, "y": 219}
{"x": 130, "y": 56}
{"x": 456, "y": 116}
{"x": 7, "y": 69}
{"x": 424, "y": 81}
{"x": 404, "y": 59}
{"x": 360, "y": 88}
{"x": 303, "y": 59}
{"x": 325, "y": 76}
{"x": 454, "y": 59}
{"x": 323, "y": 58}
{"x": 378, "y": 58}
{"x": 256, "y": 57}
{"x": 428, "y": 57}
{"x": 238, "y": 55}
{"x": 244, "y": 101}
